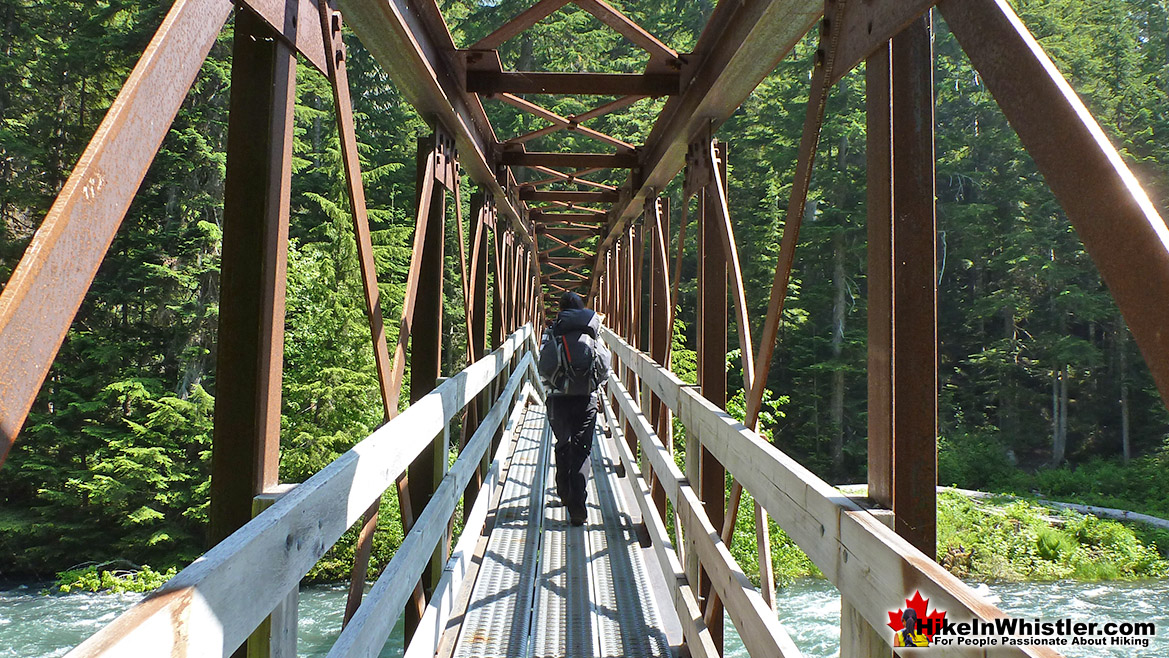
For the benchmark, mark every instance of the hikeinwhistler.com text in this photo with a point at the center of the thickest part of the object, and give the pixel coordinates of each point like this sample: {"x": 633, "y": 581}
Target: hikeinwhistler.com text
{"x": 1014, "y": 632}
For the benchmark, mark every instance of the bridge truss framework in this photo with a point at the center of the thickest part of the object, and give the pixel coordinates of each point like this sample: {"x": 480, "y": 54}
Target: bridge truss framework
{"x": 536, "y": 239}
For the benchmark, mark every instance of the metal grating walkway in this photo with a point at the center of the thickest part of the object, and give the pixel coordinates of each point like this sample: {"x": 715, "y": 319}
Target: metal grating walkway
{"x": 546, "y": 589}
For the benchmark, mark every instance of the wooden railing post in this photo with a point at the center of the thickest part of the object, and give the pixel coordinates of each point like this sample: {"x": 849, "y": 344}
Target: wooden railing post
{"x": 276, "y": 636}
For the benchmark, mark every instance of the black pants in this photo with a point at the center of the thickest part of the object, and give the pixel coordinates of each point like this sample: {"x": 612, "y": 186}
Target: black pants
{"x": 573, "y": 419}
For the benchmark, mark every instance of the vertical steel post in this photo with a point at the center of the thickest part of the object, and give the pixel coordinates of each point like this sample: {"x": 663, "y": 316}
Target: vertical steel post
{"x": 658, "y": 213}
{"x": 859, "y": 639}
{"x": 712, "y": 373}
{"x": 915, "y": 340}
{"x": 497, "y": 269}
{"x": 245, "y": 452}
{"x": 879, "y": 192}
{"x": 425, "y": 471}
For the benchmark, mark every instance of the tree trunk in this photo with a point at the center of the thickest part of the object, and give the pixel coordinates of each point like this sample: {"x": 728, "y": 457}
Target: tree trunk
{"x": 1059, "y": 410}
{"x": 1125, "y": 442}
{"x": 1063, "y": 413}
{"x": 1055, "y": 450}
{"x": 837, "y": 407}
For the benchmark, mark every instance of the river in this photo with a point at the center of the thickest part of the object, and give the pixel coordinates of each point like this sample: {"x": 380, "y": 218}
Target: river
{"x": 810, "y": 612}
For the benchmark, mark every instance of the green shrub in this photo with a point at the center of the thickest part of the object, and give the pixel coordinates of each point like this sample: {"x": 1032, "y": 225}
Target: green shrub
{"x": 972, "y": 461}
{"x": 1017, "y": 541}
{"x": 96, "y": 579}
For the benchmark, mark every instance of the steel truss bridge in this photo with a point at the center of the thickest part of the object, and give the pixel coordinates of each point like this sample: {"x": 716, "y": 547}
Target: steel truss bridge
{"x": 651, "y": 573}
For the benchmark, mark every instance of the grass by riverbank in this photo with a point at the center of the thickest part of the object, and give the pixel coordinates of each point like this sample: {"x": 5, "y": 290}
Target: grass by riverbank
{"x": 998, "y": 538}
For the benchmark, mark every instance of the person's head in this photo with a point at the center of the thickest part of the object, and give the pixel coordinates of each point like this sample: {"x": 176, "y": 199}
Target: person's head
{"x": 571, "y": 300}
{"x": 909, "y": 618}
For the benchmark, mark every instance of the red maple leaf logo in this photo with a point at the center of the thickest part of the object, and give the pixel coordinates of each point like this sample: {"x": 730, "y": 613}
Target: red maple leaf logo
{"x": 929, "y": 623}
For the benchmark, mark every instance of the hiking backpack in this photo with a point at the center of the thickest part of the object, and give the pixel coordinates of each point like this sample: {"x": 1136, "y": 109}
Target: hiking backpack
{"x": 574, "y": 361}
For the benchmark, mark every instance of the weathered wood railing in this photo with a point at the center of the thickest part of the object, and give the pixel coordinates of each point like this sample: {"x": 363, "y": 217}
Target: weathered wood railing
{"x": 870, "y": 564}
{"x": 211, "y": 607}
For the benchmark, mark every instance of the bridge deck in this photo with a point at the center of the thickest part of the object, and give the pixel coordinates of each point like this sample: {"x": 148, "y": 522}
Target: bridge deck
{"x": 546, "y": 588}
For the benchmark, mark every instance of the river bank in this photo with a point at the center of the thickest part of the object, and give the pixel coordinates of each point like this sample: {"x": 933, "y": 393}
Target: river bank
{"x": 997, "y": 538}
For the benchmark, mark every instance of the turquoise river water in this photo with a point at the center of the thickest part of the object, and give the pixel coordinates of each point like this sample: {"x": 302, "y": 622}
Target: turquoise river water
{"x": 33, "y": 624}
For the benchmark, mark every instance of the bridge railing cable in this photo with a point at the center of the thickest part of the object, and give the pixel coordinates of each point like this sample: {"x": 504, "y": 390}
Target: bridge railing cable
{"x": 211, "y": 607}
{"x": 869, "y": 563}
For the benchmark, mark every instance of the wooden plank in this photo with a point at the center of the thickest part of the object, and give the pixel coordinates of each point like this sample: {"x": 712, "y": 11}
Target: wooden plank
{"x": 199, "y": 612}
{"x": 694, "y": 630}
{"x": 367, "y": 632}
{"x": 276, "y": 636}
{"x": 864, "y": 559}
{"x": 758, "y": 627}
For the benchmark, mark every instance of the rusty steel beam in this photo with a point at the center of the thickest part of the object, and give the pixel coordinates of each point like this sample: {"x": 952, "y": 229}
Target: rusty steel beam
{"x": 1122, "y": 231}
{"x": 426, "y": 470}
{"x": 245, "y": 447}
{"x": 879, "y": 219}
{"x": 44, "y": 292}
{"x": 609, "y": 15}
{"x": 741, "y": 44}
{"x": 806, "y": 156}
{"x": 658, "y": 215}
{"x": 568, "y": 260}
{"x": 542, "y": 218}
{"x": 563, "y": 122}
{"x": 599, "y": 111}
{"x": 568, "y": 196}
{"x": 576, "y": 84}
{"x": 712, "y": 377}
{"x": 915, "y": 332}
{"x": 330, "y": 24}
{"x": 409, "y": 40}
{"x": 549, "y": 229}
{"x": 867, "y": 27}
{"x": 575, "y": 177}
{"x": 519, "y": 23}
{"x": 307, "y": 42}
{"x": 569, "y": 160}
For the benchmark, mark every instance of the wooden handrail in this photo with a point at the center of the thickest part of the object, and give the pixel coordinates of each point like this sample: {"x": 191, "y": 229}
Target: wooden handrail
{"x": 367, "y": 632}
{"x": 871, "y": 565}
{"x": 694, "y": 629}
{"x": 211, "y": 607}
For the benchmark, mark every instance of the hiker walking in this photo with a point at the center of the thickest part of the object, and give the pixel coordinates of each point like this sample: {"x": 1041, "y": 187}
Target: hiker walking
{"x": 574, "y": 363}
